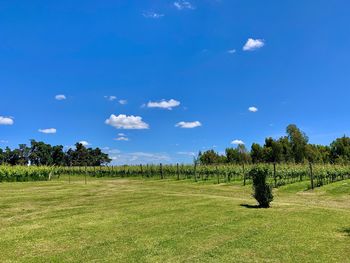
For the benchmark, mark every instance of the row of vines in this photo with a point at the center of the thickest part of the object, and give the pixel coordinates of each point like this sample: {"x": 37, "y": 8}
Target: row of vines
{"x": 279, "y": 174}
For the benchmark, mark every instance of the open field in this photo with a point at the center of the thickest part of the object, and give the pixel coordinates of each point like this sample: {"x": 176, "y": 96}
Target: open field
{"x": 135, "y": 220}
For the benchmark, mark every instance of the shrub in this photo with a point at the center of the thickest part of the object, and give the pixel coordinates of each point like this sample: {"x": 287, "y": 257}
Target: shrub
{"x": 262, "y": 191}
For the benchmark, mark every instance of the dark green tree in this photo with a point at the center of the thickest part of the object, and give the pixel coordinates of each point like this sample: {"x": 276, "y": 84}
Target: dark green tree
{"x": 298, "y": 141}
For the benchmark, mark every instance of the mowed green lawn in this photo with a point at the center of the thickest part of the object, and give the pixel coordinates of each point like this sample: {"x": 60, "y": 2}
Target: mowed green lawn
{"x": 129, "y": 220}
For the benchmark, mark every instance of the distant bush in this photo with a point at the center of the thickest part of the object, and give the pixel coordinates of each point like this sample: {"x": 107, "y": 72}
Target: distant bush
{"x": 262, "y": 190}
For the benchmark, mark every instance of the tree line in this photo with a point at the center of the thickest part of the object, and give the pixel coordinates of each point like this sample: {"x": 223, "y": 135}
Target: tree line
{"x": 40, "y": 153}
{"x": 292, "y": 148}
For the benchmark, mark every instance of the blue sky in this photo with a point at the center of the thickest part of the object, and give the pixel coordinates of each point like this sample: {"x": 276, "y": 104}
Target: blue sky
{"x": 173, "y": 64}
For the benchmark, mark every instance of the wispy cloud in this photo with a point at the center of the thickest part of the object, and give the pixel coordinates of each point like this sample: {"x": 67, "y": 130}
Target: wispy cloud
{"x": 48, "y": 131}
{"x": 122, "y": 138}
{"x": 60, "y": 97}
{"x": 237, "y": 142}
{"x": 182, "y": 4}
{"x": 152, "y": 14}
{"x": 123, "y": 121}
{"x": 169, "y": 105}
{"x": 253, "y": 44}
{"x": 253, "y": 109}
{"x": 6, "y": 120}
{"x": 192, "y": 154}
{"x": 231, "y": 51}
{"x": 111, "y": 97}
{"x": 188, "y": 125}
{"x": 123, "y": 102}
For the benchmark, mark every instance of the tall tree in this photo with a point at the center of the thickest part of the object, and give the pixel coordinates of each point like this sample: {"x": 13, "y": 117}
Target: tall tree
{"x": 340, "y": 150}
{"x": 298, "y": 140}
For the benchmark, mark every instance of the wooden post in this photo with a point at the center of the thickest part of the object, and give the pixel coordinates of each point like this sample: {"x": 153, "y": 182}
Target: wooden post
{"x": 177, "y": 172}
{"x": 274, "y": 174}
{"x": 311, "y": 176}
{"x": 161, "y": 170}
{"x": 244, "y": 179}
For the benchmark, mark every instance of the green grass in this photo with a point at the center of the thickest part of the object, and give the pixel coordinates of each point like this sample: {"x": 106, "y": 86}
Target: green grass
{"x": 134, "y": 220}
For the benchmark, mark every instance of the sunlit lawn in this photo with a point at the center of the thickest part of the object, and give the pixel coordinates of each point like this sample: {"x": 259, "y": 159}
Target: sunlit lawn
{"x": 135, "y": 220}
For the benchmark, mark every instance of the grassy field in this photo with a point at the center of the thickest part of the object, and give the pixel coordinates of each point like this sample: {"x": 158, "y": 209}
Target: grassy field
{"x": 130, "y": 220}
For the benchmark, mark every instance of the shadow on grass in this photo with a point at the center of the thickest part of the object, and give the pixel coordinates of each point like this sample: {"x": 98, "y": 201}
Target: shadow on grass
{"x": 250, "y": 206}
{"x": 346, "y": 231}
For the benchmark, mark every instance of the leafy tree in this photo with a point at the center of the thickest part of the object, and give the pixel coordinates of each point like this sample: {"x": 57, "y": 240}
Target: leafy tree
{"x": 257, "y": 153}
{"x": 273, "y": 151}
{"x": 243, "y": 154}
{"x": 340, "y": 150}
{"x": 40, "y": 153}
{"x": 24, "y": 153}
{"x": 287, "y": 153}
{"x": 232, "y": 155}
{"x": 58, "y": 155}
{"x": 210, "y": 157}
{"x": 298, "y": 141}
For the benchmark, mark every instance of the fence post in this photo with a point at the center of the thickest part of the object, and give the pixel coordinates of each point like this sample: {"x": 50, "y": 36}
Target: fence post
{"x": 311, "y": 176}
{"x": 177, "y": 171}
{"x": 161, "y": 170}
{"x": 274, "y": 174}
{"x": 244, "y": 179}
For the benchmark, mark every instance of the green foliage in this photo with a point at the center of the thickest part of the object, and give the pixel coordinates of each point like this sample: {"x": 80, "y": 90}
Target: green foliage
{"x": 262, "y": 190}
{"x": 24, "y": 173}
{"x": 42, "y": 154}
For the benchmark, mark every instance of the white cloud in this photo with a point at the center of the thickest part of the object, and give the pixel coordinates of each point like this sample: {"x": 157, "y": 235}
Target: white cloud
{"x": 187, "y": 153}
{"x": 60, "y": 97}
{"x": 151, "y": 14}
{"x": 182, "y": 4}
{"x": 122, "y": 138}
{"x": 4, "y": 141}
{"x": 237, "y": 142}
{"x": 188, "y": 125}
{"x": 253, "y": 109}
{"x": 121, "y": 134}
{"x": 126, "y": 122}
{"x": 48, "y": 131}
{"x": 170, "y": 104}
{"x": 85, "y": 143}
{"x": 123, "y": 102}
{"x": 6, "y": 120}
{"x": 253, "y": 44}
{"x": 110, "y": 98}
{"x": 231, "y": 51}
